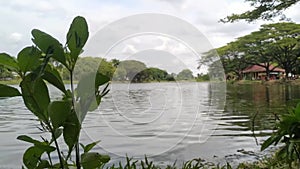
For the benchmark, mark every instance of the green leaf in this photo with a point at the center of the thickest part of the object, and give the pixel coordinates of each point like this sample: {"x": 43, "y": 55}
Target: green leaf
{"x": 88, "y": 94}
{"x": 88, "y": 147}
{"x": 95, "y": 103}
{"x": 44, "y": 164}
{"x": 29, "y": 59}
{"x": 31, "y": 157}
{"x": 45, "y": 147}
{"x": 27, "y": 139}
{"x": 272, "y": 139}
{"x": 57, "y": 134}
{"x": 36, "y": 96}
{"x": 59, "y": 112}
{"x": 101, "y": 79}
{"x": 49, "y": 45}
{"x": 52, "y": 76}
{"x": 8, "y": 62}
{"x": 93, "y": 160}
{"x": 41, "y": 145}
{"x": 8, "y": 91}
{"x": 71, "y": 130}
{"x": 77, "y": 36}
{"x": 86, "y": 86}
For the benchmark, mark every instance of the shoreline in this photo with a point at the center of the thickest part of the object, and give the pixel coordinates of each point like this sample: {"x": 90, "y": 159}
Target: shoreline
{"x": 271, "y": 82}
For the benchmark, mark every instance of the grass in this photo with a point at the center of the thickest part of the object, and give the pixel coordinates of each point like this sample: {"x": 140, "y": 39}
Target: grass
{"x": 146, "y": 164}
{"x": 266, "y": 163}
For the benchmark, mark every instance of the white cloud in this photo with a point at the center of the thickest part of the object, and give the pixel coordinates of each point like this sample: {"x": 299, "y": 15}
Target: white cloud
{"x": 15, "y": 37}
{"x": 129, "y": 50}
{"x": 55, "y": 16}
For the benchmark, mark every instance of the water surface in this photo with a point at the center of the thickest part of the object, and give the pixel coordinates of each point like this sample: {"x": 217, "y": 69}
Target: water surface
{"x": 166, "y": 121}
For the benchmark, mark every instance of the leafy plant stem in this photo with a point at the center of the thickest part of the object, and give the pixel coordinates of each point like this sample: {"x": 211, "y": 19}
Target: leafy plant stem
{"x": 48, "y": 154}
{"x": 57, "y": 146}
{"x": 77, "y": 155}
{"x": 73, "y": 104}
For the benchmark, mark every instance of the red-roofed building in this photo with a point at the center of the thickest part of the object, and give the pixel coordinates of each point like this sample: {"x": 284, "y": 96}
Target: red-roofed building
{"x": 259, "y": 72}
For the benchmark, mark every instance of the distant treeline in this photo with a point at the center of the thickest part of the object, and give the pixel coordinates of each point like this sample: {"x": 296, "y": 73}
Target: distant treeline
{"x": 127, "y": 70}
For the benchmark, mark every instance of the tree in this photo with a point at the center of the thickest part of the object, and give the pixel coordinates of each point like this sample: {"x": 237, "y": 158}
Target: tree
{"x": 185, "y": 74}
{"x": 86, "y": 64}
{"x": 263, "y": 9}
{"x": 132, "y": 67}
{"x": 115, "y": 62}
{"x": 285, "y": 47}
{"x": 202, "y": 77}
{"x": 273, "y": 44}
{"x": 150, "y": 74}
{"x": 120, "y": 74}
{"x": 233, "y": 60}
{"x": 106, "y": 68}
{"x": 256, "y": 49}
{"x": 229, "y": 56}
{"x": 5, "y": 73}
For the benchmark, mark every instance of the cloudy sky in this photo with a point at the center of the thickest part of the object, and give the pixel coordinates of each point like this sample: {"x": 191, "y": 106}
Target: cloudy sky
{"x": 19, "y": 17}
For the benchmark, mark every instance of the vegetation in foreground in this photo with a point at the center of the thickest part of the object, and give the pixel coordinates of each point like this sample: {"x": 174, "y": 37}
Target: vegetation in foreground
{"x": 266, "y": 163}
{"x": 60, "y": 118}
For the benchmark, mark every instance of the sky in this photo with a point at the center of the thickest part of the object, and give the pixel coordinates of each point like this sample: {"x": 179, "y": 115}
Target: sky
{"x": 19, "y": 17}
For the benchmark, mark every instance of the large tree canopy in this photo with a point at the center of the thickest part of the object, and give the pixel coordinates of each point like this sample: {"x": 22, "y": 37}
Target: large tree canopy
{"x": 185, "y": 74}
{"x": 273, "y": 44}
{"x": 151, "y": 74}
{"x": 132, "y": 67}
{"x": 263, "y": 9}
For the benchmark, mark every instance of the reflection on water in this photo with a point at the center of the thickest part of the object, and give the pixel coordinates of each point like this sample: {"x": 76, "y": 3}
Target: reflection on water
{"x": 167, "y": 120}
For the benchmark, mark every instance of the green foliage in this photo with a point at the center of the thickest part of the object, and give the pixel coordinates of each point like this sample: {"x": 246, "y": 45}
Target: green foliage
{"x": 150, "y": 74}
{"x": 59, "y": 111}
{"x": 116, "y": 70}
{"x": 8, "y": 62}
{"x": 288, "y": 133}
{"x": 147, "y": 164}
{"x": 77, "y": 37}
{"x": 49, "y": 46}
{"x": 41, "y": 63}
{"x": 185, "y": 74}
{"x": 93, "y": 160}
{"x": 88, "y": 147}
{"x": 273, "y": 44}
{"x": 29, "y": 59}
{"x": 7, "y": 91}
{"x": 202, "y": 77}
{"x": 263, "y": 9}
{"x": 5, "y": 74}
{"x": 52, "y": 76}
{"x": 36, "y": 96}
{"x": 86, "y": 64}
{"x": 132, "y": 68}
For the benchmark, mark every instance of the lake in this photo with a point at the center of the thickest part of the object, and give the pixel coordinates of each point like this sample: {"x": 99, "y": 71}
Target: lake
{"x": 165, "y": 121}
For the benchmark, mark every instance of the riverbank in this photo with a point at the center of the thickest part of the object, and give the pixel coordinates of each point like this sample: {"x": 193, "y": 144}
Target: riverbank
{"x": 18, "y": 81}
{"x": 198, "y": 163}
{"x": 10, "y": 82}
{"x": 270, "y": 82}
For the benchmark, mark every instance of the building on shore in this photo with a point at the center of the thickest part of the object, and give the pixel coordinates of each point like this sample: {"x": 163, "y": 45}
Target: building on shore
{"x": 256, "y": 72}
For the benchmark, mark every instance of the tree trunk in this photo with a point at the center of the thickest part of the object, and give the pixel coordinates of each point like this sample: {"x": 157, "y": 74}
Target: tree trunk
{"x": 267, "y": 74}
